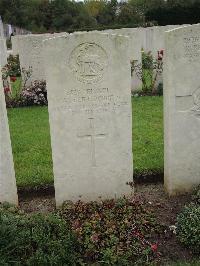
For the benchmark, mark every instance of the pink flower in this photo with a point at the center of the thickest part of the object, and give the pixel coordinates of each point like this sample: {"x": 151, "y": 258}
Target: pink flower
{"x": 154, "y": 247}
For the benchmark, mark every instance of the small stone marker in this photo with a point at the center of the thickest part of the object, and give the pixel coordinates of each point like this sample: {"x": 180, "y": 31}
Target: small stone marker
{"x": 182, "y": 109}
{"x": 8, "y": 189}
{"x": 88, "y": 79}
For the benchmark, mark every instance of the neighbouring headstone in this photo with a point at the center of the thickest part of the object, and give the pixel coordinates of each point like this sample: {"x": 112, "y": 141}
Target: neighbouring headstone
{"x": 8, "y": 189}
{"x": 88, "y": 79}
{"x": 3, "y": 52}
{"x": 1, "y": 28}
{"x": 182, "y": 109}
{"x": 154, "y": 38}
{"x": 3, "y": 47}
{"x": 136, "y": 36}
{"x": 29, "y": 47}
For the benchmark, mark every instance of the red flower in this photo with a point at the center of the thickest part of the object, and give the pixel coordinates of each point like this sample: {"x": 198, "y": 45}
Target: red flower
{"x": 13, "y": 79}
{"x": 154, "y": 247}
{"x": 162, "y": 52}
{"x": 7, "y": 90}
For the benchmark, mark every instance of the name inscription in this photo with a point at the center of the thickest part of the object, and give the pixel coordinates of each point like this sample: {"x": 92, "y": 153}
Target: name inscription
{"x": 90, "y": 101}
{"x": 192, "y": 48}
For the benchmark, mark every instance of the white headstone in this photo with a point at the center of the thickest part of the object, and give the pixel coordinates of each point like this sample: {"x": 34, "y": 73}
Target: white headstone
{"x": 136, "y": 36}
{"x": 3, "y": 52}
{"x": 8, "y": 189}
{"x": 1, "y": 28}
{"x": 3, "y": 46}
{"x": 182, "y": 109}
{"x": 88, "y": 79}
{"x": 155, "y": 37}
{"x": 30, "y": 47}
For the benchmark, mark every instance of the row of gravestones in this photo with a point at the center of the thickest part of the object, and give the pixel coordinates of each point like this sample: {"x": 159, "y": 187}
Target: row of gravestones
{"x": 29, "y": 48}
{"x": 88, "y": 81}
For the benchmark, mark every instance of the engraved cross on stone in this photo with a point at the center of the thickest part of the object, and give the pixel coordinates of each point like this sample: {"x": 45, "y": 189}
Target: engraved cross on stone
{"x": 92, "y": 135}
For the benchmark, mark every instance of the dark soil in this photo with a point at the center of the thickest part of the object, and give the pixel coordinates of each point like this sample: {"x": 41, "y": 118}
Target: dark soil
{"x": 166, "y": 209}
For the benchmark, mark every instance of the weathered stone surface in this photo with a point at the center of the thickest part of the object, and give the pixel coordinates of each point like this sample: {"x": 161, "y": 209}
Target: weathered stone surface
{"x": 3, "y": 47}
{"x": 154, "y": 38}
{"x": 8, "y": 190}
{"x": 30, "y": 47}
{"x": 88, "y": 79}
{"x": 182, "y": 109}
{"x": 3, "y": 52}
{"x": 137, "y": 40}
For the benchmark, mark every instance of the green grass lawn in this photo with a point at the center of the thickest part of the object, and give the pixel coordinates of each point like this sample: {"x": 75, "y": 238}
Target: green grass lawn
{"x": 148, "y": 143}
{"x": 16, "y": 87}
{"x": 32, "y": 149}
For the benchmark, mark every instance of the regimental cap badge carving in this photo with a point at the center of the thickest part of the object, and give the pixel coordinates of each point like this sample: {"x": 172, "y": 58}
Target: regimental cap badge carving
{"x": 88, "y": 62}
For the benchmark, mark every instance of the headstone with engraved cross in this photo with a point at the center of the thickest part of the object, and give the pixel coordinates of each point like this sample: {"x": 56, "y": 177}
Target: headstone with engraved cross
{"x": 92, "y": 135}
{"x": 182, "y": 109}
{"x": 88, "y": 79}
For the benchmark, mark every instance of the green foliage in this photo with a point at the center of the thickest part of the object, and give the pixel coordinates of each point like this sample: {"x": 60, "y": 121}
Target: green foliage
{"x": 196, "y": 195}
{"x": 188, "y": 227}
{"x": 14, "y": 66}
{"x": 148, "y": 72}
{"x": 160, "y": 89}
{"x": 147, "y": 61}
{"x": 184, "y": 263}
{"x": 114, "y": 232}
{"x": 65, "y": 15}
{"x": 175, "y": 12}
{"x": 22, "y": 95}
{"x": 35, "y": 239}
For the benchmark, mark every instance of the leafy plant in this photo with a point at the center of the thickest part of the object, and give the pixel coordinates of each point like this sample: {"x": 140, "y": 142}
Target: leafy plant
{"x": 148, "y": 72}
{"x": 196, "y": 195}
{"x": 35, "y": 239}
{"x": 13, "y": 66}
{"x": 114, "y": 232}
{"x": 188, "y": 227}
{"x": 13, "y": 97}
